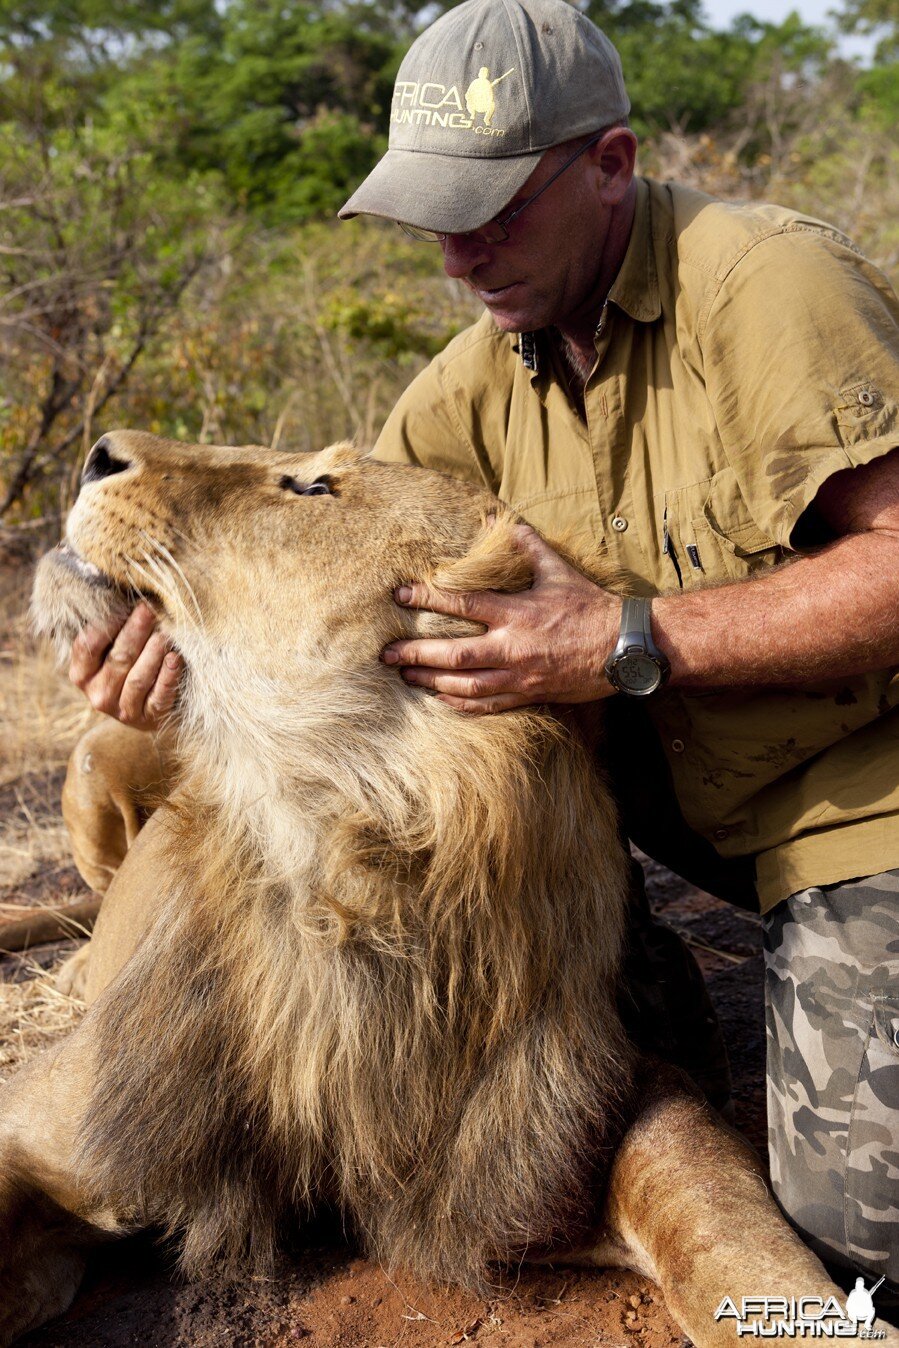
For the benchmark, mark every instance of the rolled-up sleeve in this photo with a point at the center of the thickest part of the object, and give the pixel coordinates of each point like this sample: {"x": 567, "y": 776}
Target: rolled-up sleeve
{"x": 801, "y": 361}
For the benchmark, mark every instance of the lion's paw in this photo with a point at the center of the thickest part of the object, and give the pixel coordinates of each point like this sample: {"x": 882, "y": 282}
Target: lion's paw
{"x": 71, "y": 976}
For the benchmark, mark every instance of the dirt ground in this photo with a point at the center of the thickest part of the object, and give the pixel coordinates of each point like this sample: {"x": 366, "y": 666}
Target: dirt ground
{"x": 325, "y": 1293}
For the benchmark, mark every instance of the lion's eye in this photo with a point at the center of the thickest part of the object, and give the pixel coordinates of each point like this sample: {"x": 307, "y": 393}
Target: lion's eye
{"x": 322, "y": 486}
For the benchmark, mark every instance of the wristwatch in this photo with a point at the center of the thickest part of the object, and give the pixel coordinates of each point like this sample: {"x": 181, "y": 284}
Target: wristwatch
{"x": 636, "y": 665}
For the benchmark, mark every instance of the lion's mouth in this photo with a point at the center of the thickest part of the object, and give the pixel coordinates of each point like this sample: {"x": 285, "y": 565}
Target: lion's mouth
{"x": 66, "y": 556}
{"x": 86, "y": 571}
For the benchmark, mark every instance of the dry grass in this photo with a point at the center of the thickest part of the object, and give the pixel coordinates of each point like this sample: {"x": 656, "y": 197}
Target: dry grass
{"x": 33, "y": 1015}
{"x": 41, "y": 716}
{"x": 30, "y": 843}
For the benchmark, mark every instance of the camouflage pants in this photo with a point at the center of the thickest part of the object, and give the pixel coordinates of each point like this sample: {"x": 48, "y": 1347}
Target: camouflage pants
{"x": 832, "y": 1008}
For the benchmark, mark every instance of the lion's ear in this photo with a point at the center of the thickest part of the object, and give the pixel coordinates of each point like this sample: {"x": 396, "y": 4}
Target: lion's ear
{"x": 343, "y": 454}
{"x": 493, "y": 562}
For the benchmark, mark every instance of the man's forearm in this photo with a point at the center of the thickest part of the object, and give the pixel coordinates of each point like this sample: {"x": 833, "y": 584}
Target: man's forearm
{"x": 828, "y": 615}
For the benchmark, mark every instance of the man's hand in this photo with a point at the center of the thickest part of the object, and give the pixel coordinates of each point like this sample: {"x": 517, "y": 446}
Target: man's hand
{"x": 128, "y": 670}
{"x": 545, "y": 644}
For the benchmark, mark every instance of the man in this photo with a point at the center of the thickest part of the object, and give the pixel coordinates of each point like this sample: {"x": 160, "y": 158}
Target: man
{"x": 686, "y": 394}
{"x": 683, "y": 395}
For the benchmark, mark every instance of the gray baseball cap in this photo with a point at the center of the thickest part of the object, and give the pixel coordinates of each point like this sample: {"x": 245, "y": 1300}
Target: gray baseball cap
{"x": 479, "y": 97}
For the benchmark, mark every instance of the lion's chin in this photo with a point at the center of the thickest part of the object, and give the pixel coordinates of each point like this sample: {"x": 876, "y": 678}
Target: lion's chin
{"x": 69, "y": 593}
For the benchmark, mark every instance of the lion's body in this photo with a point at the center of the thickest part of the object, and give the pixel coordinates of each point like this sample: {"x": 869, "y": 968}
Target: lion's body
{"x": 382, "y": 967}
{"x": 421, "y": 914}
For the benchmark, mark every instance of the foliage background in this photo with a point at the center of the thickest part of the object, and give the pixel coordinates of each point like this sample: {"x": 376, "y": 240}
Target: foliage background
{"x": 169, "y": 175}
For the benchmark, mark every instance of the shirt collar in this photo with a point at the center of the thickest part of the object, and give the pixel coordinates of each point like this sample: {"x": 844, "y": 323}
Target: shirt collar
{"x": 635, "y": 288}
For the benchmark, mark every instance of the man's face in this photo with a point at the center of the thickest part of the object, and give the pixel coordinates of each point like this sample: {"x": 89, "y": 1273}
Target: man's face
{"x": 548, "y": 271}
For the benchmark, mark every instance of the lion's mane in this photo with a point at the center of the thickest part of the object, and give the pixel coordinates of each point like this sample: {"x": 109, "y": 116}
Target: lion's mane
{"x": 384, "y": 979}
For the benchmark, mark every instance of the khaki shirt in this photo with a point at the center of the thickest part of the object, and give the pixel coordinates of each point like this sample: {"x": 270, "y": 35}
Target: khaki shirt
{"x": 745, "y": 354}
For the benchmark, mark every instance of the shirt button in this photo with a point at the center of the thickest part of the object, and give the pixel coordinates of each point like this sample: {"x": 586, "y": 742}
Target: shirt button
{"x": 721, "y": 833}
{"x": 866, "y": 397}
{"x": 896, "y": 1036}
{"x": 619, "y": 524}
{"x": 677, "y": 746}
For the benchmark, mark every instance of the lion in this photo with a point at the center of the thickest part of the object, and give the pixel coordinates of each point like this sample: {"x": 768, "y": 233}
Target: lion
{"x": 367, "y": 954}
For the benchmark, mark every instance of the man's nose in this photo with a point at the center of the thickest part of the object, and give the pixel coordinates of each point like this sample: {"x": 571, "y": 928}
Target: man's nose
{"x": 462, "y": 253}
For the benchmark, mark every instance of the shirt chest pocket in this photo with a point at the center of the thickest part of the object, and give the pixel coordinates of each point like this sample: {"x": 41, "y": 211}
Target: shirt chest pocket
{"x": 709, "y": 536}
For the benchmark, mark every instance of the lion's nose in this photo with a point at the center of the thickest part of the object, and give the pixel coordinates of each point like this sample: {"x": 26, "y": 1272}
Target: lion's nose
{"x": 101, "y": 463}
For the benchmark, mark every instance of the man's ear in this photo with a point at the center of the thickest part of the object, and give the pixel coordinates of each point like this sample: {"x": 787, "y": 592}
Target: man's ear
{"x": 493, "y": 562}
{"x": 615, "y": 157}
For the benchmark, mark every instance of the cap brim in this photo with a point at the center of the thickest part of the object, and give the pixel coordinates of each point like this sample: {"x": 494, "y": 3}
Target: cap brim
{"x": 449, "y": 193}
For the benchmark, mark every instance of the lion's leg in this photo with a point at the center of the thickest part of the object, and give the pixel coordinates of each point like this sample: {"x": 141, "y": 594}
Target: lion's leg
{"x": 129, "y": 907}
{"x": 116, "y": 777}
{"x": 37, "y": 925}
{"x": 48, "y": 1223}
{"x": 688, "y": 1205}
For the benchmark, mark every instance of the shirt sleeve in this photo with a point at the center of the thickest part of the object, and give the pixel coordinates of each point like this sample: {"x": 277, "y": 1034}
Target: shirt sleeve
{"x": 426, "y": 429}
{"x": 801, "y": 360}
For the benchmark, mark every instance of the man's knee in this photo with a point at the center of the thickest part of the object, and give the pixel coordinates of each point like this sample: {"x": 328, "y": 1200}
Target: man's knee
{"x": 832, "y": 1005}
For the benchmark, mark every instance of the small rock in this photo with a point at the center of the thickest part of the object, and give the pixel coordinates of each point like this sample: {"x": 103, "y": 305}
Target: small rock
{"x": 376, "y": 1301}
{"x": 634, "y": 1300}
{"x": 347, "y": 1301}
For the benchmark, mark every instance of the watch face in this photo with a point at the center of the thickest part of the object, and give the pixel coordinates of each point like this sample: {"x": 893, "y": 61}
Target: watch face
{"x": 638, "y": 674}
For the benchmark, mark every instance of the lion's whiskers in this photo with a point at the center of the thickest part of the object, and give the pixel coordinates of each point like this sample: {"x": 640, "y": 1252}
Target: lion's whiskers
{"x": 155, "y": 555}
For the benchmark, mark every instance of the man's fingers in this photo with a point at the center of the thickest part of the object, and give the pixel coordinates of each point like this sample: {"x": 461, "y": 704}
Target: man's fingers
{"x": 133, "y": 638}
{"x": 484, "y": 706}
{"x": 442, "y": 653}
{"x": 141, "y": 678}
{"x": 104, "y": 689}
{"x": 135, "y": 678}
{"x": 481, "y": 606}
{"x": 93, "y": 646}
{"x": 88, "y": 650}
{"x": 163, "y": 693}
{"x": 479, "y": 683}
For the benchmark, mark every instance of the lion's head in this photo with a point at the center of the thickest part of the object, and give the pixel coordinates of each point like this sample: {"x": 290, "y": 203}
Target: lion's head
{"x": 403, "y": 996}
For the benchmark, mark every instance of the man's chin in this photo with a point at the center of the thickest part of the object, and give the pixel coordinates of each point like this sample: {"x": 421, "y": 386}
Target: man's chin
{"x": 508, "y": 312}
{"x": 506, "y": 322}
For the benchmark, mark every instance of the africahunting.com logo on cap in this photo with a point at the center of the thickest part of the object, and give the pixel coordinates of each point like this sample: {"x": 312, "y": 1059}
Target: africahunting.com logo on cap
{"x": 432, "y": 104}
{"x": 813, "y": 1317}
